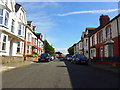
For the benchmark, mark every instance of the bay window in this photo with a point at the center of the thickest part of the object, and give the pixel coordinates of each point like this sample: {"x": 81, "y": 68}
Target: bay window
{"x": 19, "y": 30}
{"x": 20, "y": 47}
{"x": 29, "y": 37}
{"x": 6, "y": 18}
{"x": 4, "y": 41}
{"x": 28, "y": 49}
{"x": 12, "y": 26}
{"x": 1, "y": 16}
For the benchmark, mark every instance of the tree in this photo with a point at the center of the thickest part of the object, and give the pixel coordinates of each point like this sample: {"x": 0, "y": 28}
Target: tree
{"x": 48, "y": 48}
{"x": 71, "y": 50}
{"x": 59, "y": 53}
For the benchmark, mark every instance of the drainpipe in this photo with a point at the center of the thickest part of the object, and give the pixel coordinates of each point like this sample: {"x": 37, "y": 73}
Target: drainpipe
{"x": 25, "y": 44}
{"x": 118, "y": 36}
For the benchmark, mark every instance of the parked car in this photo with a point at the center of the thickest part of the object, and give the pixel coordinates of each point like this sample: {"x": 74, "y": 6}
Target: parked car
{"x": 69, "y": 57}
{"x": 51, "y": 57}
{"x": 79, "y": 58}
{"x": 44, "y": 57}
{"x": 61, "y": 58}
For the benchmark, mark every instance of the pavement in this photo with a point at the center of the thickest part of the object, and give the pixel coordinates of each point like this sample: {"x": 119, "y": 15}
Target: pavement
{"x": 106, "y": 67}
{"x": 11, "y": 66}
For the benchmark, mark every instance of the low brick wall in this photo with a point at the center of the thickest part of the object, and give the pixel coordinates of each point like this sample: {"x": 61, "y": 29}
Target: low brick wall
{"x": 15, "y": 59}
{"x": 11, "y": 59}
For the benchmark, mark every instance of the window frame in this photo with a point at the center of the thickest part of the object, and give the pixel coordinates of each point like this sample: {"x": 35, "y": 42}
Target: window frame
{"x": 2, "y": 16}
{"x": 13, "y": 26}
{"x": 100, "y": 37}
{"x": 6, "y": 18}
{"x": 2, "y": 41}
{"x": 110, "y": 32}
{"x": 29, "y": 37}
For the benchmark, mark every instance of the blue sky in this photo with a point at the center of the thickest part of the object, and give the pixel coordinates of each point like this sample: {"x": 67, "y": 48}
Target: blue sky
{"x": 63, "y": 22}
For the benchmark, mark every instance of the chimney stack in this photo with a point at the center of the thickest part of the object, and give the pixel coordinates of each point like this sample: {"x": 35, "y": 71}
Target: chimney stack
{"x": 104, "y": 19}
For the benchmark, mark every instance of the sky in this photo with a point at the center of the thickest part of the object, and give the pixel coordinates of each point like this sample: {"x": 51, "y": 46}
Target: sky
{"x": 62, "y": 23}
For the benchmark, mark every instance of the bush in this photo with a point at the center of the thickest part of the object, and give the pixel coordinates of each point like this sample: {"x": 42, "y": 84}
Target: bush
{"x": 32, "y": 55}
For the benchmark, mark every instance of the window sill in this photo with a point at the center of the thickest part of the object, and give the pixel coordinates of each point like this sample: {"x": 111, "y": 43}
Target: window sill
{"x": 3, "y": 52}
{"x": 1, "y": 25}
{"x": 19, "y": 53}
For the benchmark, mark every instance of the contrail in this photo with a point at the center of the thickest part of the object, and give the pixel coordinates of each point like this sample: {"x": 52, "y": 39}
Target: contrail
{"x": 93, "y": 11}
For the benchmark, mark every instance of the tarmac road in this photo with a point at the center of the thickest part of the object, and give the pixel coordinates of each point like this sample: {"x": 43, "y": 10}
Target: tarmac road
{"x": 59, "y": 74}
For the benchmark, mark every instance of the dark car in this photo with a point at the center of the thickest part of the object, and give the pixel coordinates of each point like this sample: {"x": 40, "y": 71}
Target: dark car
{"x": 79, "y": 58}
{"x": 61, "y": 58}
{"x": 69, "y": 57}
{"x": 44, "y": 57}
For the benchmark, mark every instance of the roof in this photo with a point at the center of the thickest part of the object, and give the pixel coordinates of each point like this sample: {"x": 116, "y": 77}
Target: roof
{"x": 17, "y": 6}
{"x": 100, "y": 27}
{"x": 29, "y": 21}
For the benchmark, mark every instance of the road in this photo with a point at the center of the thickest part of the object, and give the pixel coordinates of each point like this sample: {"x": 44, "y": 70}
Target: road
{"x": 59, "y": 74}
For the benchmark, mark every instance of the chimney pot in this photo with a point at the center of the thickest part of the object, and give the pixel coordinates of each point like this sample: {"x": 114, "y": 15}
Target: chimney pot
{"x": 104, "y": 19}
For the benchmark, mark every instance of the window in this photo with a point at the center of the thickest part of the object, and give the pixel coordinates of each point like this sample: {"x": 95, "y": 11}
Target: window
{"x": 4, "y": 40}
{"x": 35, "y": 41}
{"x": 12, "y": 26}
{"x": 100, "y": 37}
{"x": 28, "y": 49}
{"x": 20, "y": 16}
{"x": 86, "y": 41}
{"x": 29, "y": 37}
{"x": 18, "y": 47}
{"x": 19, "y": 29}
{"x": 108, "y": 33}
{"x": 1, "y": 16}
{"x": 23, "y": 30}
{"x": 6, "y": 18}
{"x": 22, "y": 47}
{"x": 6, "y": 2}
{"x": 93, "y": 40}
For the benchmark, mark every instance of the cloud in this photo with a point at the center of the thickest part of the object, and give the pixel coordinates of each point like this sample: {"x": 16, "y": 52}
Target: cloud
{"x": 93, "y": 11}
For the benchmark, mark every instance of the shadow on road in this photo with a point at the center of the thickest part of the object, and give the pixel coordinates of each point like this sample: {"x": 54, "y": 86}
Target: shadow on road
{"x": 83, "y": 76}
{"x": 74, "y": 73}
{"x": 61, "y": 66}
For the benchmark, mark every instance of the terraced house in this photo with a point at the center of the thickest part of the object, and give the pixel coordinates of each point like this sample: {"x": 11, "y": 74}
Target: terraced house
{"x": 102, "y": 42}
{"x": 105, "y": 40}
{"x": 17, "y": 36}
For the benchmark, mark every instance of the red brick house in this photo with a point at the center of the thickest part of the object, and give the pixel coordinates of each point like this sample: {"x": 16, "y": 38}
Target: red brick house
{"x": 105, "y": 40}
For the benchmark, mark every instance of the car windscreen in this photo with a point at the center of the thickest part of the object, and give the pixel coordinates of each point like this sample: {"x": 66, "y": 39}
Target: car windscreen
{"x": 69, "y": 56}
{"x": 44, "y": 55}
{"x": 80, "y": 56}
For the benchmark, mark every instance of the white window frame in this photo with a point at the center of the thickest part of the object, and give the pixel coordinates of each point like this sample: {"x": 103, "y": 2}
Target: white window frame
{"x": 1, "y": 16}
{"x": 28, "y": 49}
{"x": 21, "y": 47}
{"x": 100, "y": 37}
{"x": 13, "y": 26}
{"x": 3, "y": 42}
{"x": 29, "y": 37}
{"x": 6, "y": 18}
{"x": 108, "y": 33}
{"x": 18, "y": 47}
